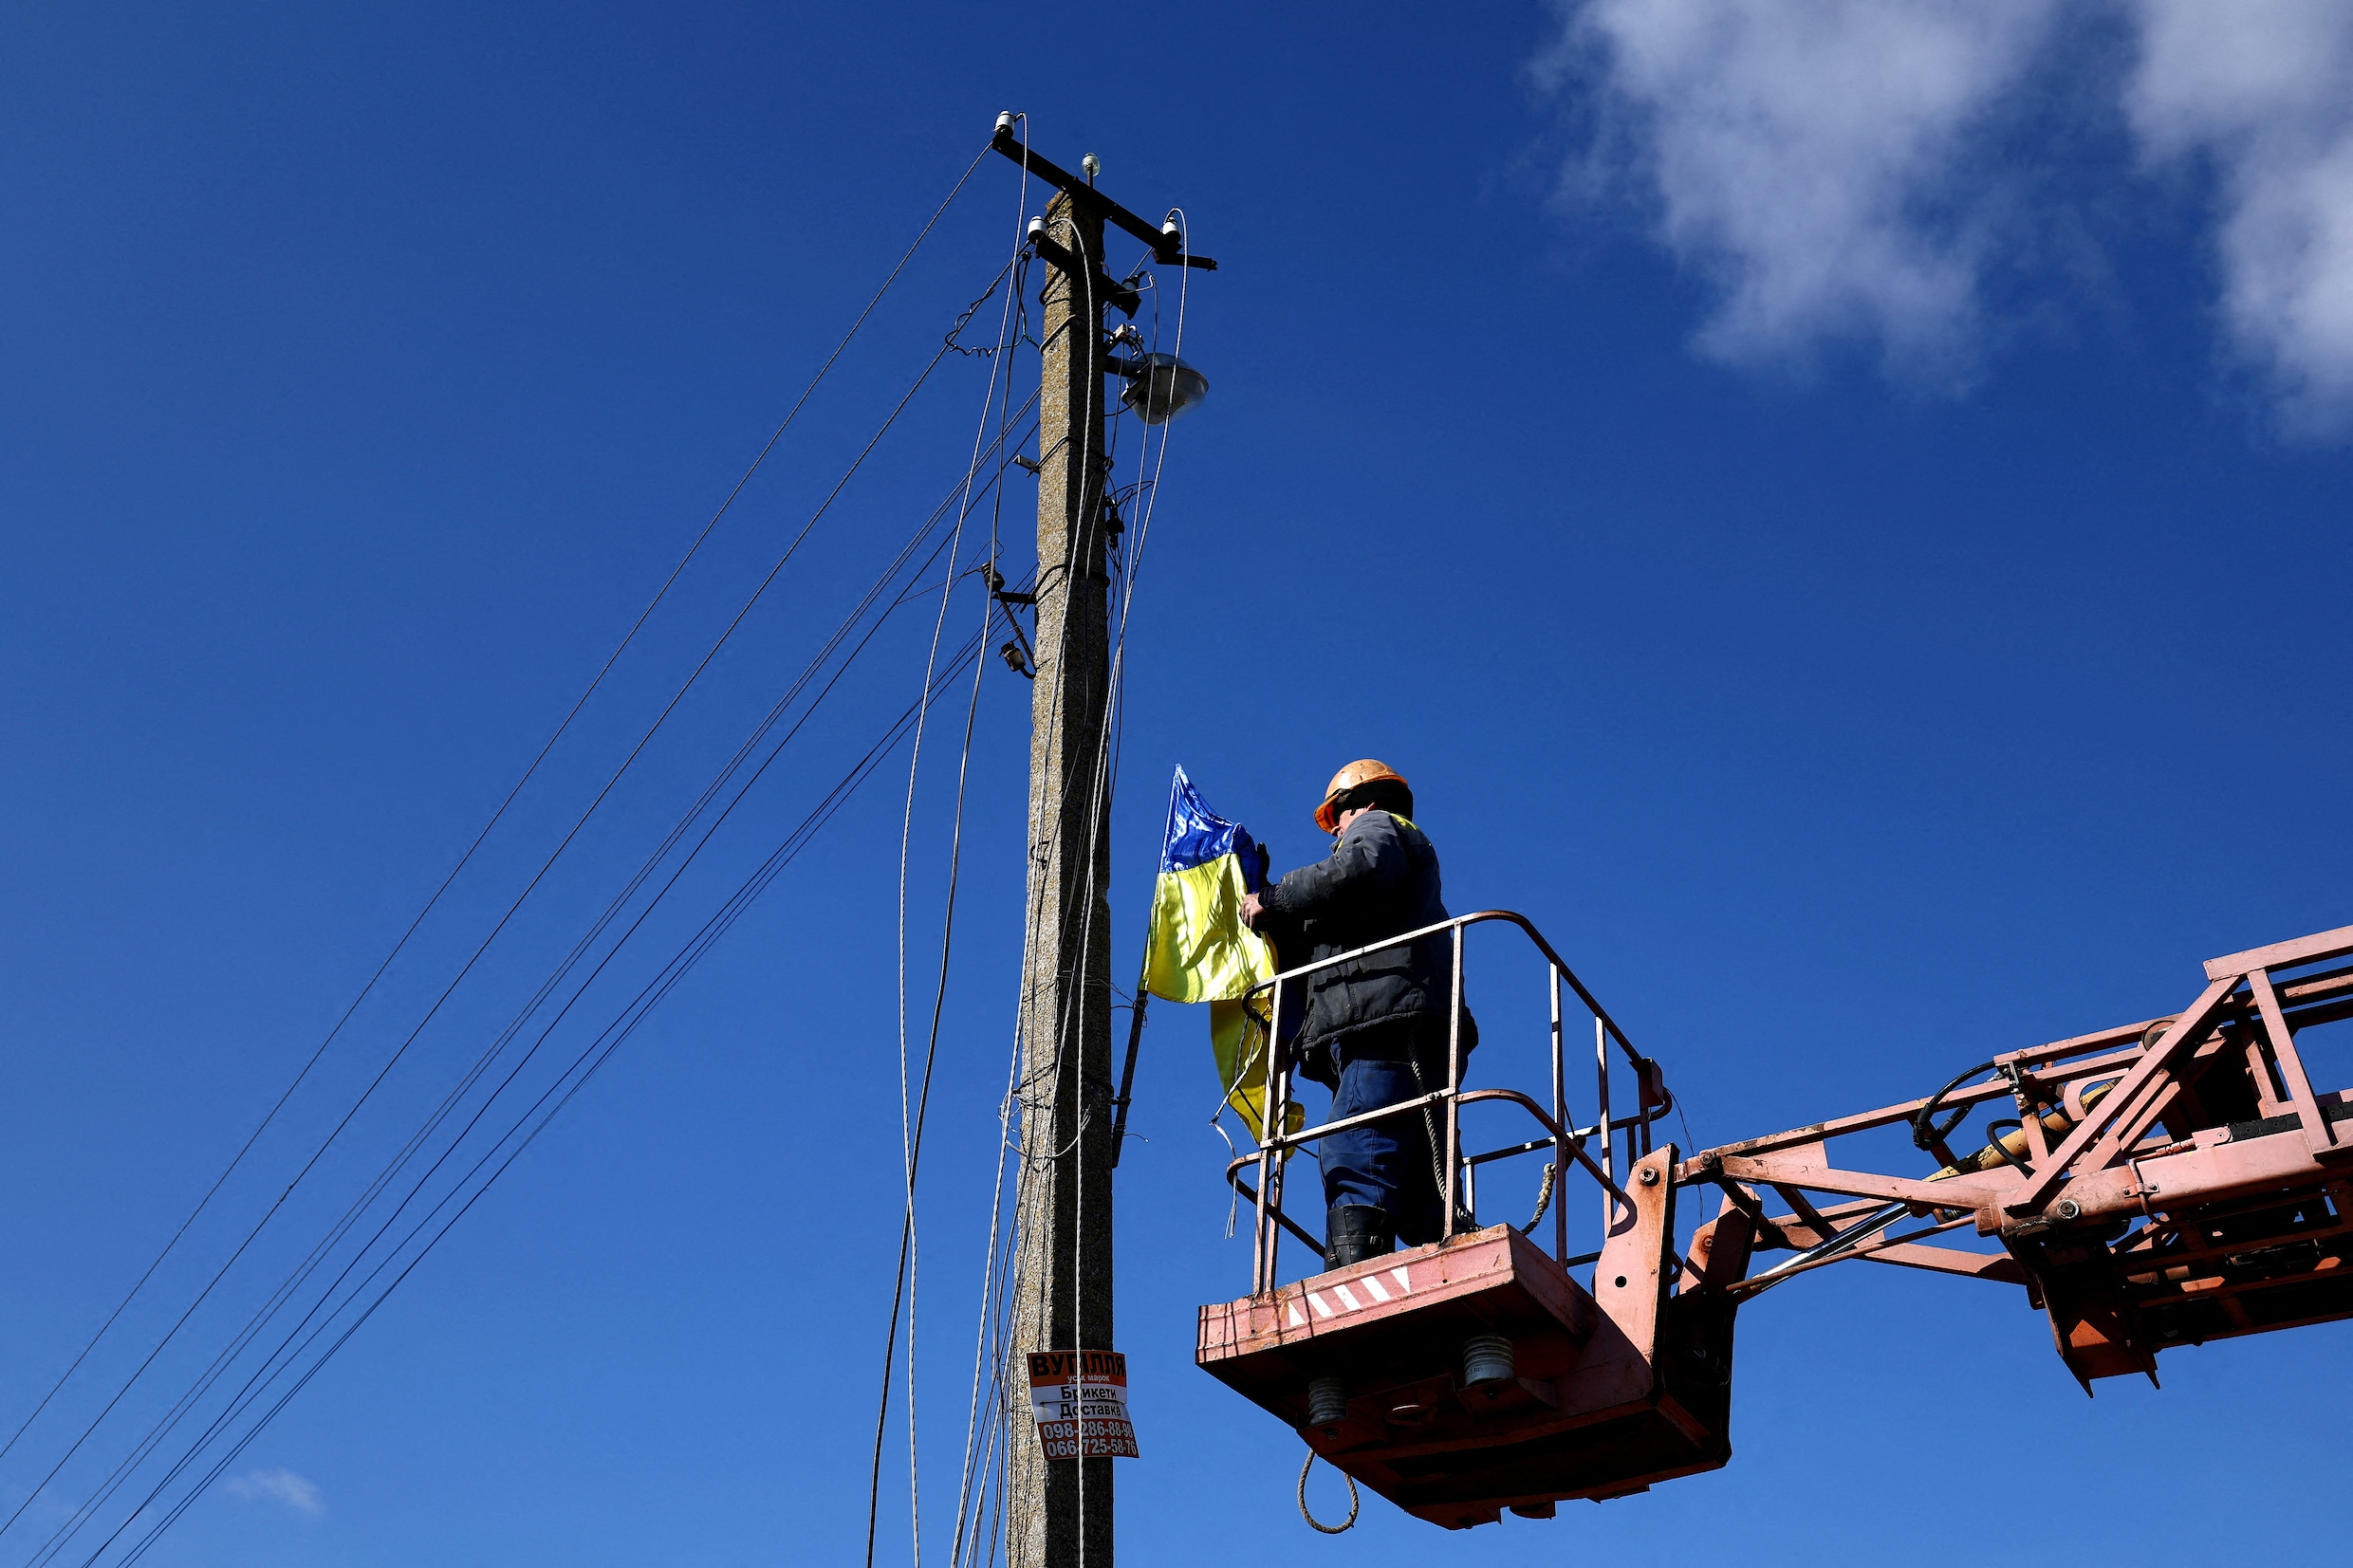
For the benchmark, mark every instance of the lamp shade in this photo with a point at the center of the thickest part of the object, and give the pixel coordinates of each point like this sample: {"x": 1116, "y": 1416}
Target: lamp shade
{"x": 1162, "y": 387}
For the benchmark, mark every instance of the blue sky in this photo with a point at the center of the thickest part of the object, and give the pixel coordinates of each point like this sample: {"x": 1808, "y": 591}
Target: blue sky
{"x": 1836, "y": 509}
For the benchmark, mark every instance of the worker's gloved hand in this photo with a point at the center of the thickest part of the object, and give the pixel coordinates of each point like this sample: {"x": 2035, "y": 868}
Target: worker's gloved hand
{"x": 1251, "y": 910}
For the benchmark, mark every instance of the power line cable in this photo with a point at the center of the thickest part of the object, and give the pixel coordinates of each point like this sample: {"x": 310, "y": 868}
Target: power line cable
{"x": 475, "y": 957}
{"x": 963, "y": 484}
{"x": 277, "y": 1299}
{"x": 599, "y": 1050}
{"x": 496, "y": 815}
{"x": 911, "y": 1130}
{"x": 664, "y": 983}
{"x": 1042, "y": 836}
{"x": 980, "y": 1438}
{"x": 852, "y": 616}
{"x": 1088, "y": 318}
{"x": 1103, "y": 778}
{"x": 271, "y": 1308}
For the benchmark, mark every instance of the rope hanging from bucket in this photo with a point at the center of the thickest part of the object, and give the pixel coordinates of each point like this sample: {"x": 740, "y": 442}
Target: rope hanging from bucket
{"x": 1543, "y": 1198}
{"x": 1353, "y": 1499}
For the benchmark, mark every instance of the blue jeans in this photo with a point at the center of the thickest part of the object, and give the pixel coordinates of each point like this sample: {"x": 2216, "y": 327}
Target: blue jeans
{"x": 1385, "y": 1165}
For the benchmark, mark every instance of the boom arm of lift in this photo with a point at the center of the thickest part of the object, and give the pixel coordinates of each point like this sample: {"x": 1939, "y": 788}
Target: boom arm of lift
{"x": 2162, "y": 1183}
{"x": 2165, "y": 1182}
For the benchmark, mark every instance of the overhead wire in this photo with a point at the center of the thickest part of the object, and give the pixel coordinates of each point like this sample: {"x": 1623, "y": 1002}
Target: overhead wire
{"x": 602, "y": 1048}
{"x": 271, "y": 1308}
{"x": 733, "y": 625}
{"x": 980, "y": 1436}
{"x": 1043, "y": 831}
{"x": 905, "y": 1273}
{"x": 277, "y": 1299}
{"x": 634, "y": 1013}
{"x": 910, "y": 1129}
{"x": 1105, "y": 772}
{"x": 986, "y": 1448}
{"x": 368, "y": 987}
{"x": 1104, "y": 781}
{"x": 592, "y": 1058}
{"x": 817, "y": 663}
{"x": 1063, "y": 1024}
{"x": 1076, "y": 1000}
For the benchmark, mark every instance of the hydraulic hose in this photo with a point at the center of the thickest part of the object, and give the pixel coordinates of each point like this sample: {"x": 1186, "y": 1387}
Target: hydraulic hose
{"x": 2010, "y": 1148}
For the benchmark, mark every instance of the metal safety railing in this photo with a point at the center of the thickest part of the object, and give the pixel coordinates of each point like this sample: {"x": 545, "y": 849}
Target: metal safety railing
{"x": 1458, "y": 1203}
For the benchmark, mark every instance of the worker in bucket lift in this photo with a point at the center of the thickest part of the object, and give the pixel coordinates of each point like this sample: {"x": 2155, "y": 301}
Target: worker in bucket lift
{"x": 1374, "y": 1029}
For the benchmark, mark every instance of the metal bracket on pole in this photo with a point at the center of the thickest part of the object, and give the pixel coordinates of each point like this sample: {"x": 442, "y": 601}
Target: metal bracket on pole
{"x": 1127, "y": 1075}
{"x": 1167, "y": 250}
{"x": 1117, "y": 295}
{"x": 1018, "y": 656}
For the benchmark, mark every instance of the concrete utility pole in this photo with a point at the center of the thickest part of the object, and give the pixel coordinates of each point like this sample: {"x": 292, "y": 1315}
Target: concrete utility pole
{"x": 1059, "y": 1511}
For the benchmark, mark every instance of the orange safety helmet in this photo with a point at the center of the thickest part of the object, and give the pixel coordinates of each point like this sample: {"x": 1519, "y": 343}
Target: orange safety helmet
{"x": 1361, "y": 773}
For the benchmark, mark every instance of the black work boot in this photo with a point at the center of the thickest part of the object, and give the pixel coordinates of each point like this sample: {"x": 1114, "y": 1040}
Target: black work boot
{"x": 1353, "y": 1233}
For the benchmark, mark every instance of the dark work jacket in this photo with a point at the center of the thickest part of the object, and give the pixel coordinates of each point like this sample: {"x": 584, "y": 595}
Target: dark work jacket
{"x": 1381, "y": 879}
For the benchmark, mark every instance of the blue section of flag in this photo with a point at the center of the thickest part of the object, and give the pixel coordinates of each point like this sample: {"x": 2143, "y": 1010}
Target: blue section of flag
{"x": 1197, "y": 836}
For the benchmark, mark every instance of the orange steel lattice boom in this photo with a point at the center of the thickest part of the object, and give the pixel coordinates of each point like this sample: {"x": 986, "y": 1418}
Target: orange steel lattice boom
{"x": 2162, "y": 1183}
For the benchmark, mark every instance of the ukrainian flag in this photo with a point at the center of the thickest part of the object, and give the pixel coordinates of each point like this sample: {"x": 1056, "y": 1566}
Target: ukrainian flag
{"x": 1197, "y": 950}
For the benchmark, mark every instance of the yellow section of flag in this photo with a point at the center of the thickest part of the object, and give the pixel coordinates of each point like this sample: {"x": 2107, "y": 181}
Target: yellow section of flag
{"x": 1201, "y": 950}
{"x": 1197, "y": 949}
{"x": 1237, "y": 1036}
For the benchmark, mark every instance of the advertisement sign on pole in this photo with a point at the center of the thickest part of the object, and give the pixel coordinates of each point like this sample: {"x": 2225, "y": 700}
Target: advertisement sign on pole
{"x": 1080, "y": 1399}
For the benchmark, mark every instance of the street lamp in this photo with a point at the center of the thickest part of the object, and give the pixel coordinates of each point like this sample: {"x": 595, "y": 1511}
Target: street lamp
{"x": 1159, "y": 386}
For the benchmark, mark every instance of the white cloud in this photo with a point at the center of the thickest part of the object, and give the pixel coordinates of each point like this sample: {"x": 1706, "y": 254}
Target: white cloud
{"x": 2264, "y": 89}
{"x": 1824, "y": 162}
{"x": 279, "y": 1486}
{"x": 1803, "y": 154}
